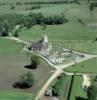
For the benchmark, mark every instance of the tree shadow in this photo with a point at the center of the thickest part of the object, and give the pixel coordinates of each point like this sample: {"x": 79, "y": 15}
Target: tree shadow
{"x": 30, "y": 67}
{"x": 21, "y": 85}
{"x": 81, "y": 98}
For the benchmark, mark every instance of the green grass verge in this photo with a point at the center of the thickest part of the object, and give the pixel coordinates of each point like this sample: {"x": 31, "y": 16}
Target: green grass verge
{"x": 89, "y": 66}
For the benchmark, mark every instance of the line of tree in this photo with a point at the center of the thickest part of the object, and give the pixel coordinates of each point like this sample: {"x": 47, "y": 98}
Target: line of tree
{"x": 40, "y": 2}
{"x": 33, "y": 7}
{"x": 9, "y": 21}
{"x": 38, "y": 18}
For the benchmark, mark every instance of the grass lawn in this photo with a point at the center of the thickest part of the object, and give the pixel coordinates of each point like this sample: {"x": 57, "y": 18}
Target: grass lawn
{"x": 6, "y": 95}
{"x": 77, "y": 90}
{"x": 89, "y": 66}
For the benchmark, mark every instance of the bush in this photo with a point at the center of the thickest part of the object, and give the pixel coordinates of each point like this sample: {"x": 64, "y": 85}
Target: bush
{"x": 12, "y": 7}
{"x": 26, "y": 81}
{"x": 34, "y": 61}
{"x": 5, "y": 28}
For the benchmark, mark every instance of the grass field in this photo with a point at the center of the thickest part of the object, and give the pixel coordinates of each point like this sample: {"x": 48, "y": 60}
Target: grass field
{"x": 6, "y": 9}
{"x": 68, "y": 31}
{"x": 77, "y": 90}
{"x": 6, "y": 95}
{"x": 8, "y": 46}
{"x": 89, "y": 66}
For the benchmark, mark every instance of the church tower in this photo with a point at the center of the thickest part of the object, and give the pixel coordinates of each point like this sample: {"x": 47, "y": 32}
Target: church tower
{"x": 45, "y": 38}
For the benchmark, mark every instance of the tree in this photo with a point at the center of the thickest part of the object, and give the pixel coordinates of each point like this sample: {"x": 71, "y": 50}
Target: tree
{"x": 34, "y": 61}
{"x": 26, "y": 81}
{"x": 96, "y": 39}
{"x": 5, "y": 28}
{"x": 12, "y": 7}
{"x": 27, "y": 78}
{"x": 91, "y": 8}
{"x": 16, "y": 30}
{"x": 92, "y": 92}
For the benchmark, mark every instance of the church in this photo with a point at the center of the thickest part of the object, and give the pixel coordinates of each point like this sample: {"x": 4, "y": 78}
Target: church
{"x": 41, "y": 45}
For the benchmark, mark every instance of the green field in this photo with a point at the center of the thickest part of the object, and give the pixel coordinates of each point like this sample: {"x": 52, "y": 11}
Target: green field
{"x": 6, "y": 95}
{"x": 9, "y": 46}
{"x": 68, "y": 31}
{"x": 89, "y": 66}
{"x": 77, "y": 90}
{"x": 6, "y": 9}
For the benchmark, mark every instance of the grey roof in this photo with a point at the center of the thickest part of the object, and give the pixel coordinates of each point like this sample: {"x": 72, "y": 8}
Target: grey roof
{"x": 39, "y": 45}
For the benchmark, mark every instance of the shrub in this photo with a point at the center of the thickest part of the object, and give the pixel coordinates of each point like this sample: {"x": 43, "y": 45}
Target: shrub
{"x": 26, "y": 81}
{"x": 34, "y": 61}
{"x": 12, "y": 7}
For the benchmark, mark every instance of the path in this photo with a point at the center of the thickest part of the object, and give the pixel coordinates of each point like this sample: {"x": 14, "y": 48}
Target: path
{"x": 17, "y": 39}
